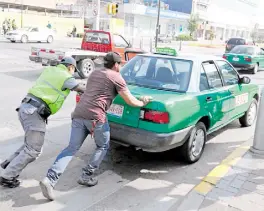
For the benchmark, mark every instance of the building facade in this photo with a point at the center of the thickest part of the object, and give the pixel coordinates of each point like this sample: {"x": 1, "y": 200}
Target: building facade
{"x": 226, "y": 18}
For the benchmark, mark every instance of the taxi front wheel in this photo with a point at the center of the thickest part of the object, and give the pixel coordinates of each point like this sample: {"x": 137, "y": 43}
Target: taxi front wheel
{"x": 250, "y": 116}
{"x": 193, "y": 148}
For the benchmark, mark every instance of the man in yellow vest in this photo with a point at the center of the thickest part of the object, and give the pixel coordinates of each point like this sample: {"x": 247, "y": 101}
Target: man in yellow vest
{"x": 45, "y": 98}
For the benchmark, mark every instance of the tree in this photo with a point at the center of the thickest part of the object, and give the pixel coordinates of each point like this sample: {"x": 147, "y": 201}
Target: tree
{"x": 193, "y": 24}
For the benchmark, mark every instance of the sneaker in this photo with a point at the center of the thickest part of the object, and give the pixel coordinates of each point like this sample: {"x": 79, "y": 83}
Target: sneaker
{"x": 4, "y": 164}
{"x": 47, "y": 189}
{"x": 9, "y": 183}
{"x": 88, "y": 181}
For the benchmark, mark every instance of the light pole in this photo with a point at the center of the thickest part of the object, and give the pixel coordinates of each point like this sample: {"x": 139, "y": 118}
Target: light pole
{"x": 97, "y": 25}
{"x": 21, "y": 15}
{"x": 157, "y": 27}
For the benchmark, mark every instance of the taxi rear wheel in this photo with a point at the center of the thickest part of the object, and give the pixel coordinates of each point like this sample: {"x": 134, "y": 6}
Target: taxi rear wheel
{"x": 255, "y": 69}
{"x": 193, "y": 148}
{"x": 250, "y": 116}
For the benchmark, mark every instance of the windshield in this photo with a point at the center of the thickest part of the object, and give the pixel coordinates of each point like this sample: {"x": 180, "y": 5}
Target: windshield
{"x": 101, "y": 38}
{"x": 158, "y": 73}
{"x": 236, "y": 41}
{"x": 243, "y": 50}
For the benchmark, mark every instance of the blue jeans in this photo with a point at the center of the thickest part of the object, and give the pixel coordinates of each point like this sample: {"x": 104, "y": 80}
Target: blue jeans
{"x": 81, "y": 128}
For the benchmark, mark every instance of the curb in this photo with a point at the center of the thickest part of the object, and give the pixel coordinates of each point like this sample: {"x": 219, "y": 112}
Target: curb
{"x": 214, "y": 176}
{"x": 210, "y": 180}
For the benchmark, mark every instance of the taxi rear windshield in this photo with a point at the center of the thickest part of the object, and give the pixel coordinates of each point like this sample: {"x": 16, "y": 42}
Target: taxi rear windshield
{"x": 97, "y": 37}
{"x": 243, "y": 50}
{"x": 158, "y": 73}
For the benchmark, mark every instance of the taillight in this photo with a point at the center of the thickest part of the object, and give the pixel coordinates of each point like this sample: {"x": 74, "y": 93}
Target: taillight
{"x": 224, "y": 56}
{"x": 34, "y": 53}
{"x": 43, "y": 50}
{"x": 248, "y": 59}
{"x": 60, "y": 57}
{"x": 78, "y": 97}
{"x": 52, "y": 51}
{"x": 155, "y": 116}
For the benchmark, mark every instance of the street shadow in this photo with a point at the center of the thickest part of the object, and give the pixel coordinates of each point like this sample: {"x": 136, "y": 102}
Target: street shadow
{"x": 128, "y": 163}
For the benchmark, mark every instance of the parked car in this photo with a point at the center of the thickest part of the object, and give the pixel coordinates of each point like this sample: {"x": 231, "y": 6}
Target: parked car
{"x": 31, "y": 34}
{"x": 193, "y": 96}
{"x": 246, "y": 57}
{"x": 232, "y": 42}
{"x": 163, "y": 38}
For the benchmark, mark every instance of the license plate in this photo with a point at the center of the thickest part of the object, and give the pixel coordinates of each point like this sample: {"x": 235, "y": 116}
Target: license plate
{"x": 45, "y": 61}
{"x": 116, "y": 110}
{"x": 236, "y": 59}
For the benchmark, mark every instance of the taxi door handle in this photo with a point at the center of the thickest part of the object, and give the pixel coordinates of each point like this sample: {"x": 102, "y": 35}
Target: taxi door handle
{"x": 209, "y": 99}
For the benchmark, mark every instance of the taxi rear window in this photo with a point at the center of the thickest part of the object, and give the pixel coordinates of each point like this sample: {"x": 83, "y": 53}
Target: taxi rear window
{"x": 158, "y": 73}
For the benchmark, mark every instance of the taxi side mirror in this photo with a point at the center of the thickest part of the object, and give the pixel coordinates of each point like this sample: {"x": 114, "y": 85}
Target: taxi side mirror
{"x": 245, "y": 80}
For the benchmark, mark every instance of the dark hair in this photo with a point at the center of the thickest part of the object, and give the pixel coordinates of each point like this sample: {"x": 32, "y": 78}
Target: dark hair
{"x": 109, "y": 65}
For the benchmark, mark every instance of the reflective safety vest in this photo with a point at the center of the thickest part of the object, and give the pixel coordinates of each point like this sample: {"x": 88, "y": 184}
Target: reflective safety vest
{"x": 48, "y": 87}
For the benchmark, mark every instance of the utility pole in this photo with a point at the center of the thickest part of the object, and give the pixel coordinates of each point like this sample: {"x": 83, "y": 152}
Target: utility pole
{"x": 157, "y": 27}
{"x": 21, "y": 15}
{"x": 258, "y": 144}
{"x": 97, "y": 25}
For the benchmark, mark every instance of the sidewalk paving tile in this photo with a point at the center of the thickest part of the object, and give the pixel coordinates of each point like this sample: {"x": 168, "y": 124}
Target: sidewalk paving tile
{"x": 236, "y": 183}
{"x": 252, "y": 197}
{"x": 211, "y": 205}
{"x": 242, "y": 203}
{"x": 195, "y": 199}
{"x": 220, "y": 194}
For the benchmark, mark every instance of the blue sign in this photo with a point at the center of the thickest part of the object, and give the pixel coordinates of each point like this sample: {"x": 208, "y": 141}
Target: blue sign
{"x": 166, "y": 13}
{"x": 184, "y": 6}
{"x": 125, "y": 1}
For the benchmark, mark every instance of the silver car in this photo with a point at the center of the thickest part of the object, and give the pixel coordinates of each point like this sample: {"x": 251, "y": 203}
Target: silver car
{"x": 31, "y": 34}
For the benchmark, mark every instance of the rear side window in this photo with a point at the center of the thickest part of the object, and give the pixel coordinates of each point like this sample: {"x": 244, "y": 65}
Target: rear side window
{"x": 100, "y": 38}
{"x": 236, "y": 41}
{"x": 214, "y": 79}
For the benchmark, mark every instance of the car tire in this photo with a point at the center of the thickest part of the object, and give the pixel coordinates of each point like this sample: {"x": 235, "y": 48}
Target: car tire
{"x": 50, "y": 39}
{"x": 188, "y": 150}
{"x": 24, "y": 38}
{"x": 12, "y": 41}
{"x": 255, "y": 69}
{"x": 86, "y": 67}
{"x": 250, "y": 116}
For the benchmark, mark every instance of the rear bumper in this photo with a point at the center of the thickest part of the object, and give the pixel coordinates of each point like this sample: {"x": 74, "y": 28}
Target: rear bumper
{"x": 38, "y": 59}
{"x": 243, "y": 66}
{"x": 146, "y": 140}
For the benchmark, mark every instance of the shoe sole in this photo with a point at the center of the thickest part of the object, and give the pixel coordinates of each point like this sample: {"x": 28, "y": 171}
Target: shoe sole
{"x": 88, "y": 185}
{"x": 45, "y": 191}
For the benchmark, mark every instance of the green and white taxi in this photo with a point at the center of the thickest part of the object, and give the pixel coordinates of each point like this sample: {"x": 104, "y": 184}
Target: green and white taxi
{"x": 193, "y": 96}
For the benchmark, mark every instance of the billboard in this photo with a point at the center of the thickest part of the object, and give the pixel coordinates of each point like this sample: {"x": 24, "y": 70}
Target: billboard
{"x": 184, "y": 6}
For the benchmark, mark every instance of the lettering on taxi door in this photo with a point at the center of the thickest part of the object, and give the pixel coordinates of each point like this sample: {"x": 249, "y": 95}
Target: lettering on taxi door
{"x": 241, "y": 99}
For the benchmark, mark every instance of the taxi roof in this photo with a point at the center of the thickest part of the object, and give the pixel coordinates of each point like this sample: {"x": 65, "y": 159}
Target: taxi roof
{"x": 193, "y": 57}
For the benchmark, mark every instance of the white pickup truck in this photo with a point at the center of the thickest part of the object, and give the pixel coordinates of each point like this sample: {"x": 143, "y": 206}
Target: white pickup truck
{"x": 94, "y": 47}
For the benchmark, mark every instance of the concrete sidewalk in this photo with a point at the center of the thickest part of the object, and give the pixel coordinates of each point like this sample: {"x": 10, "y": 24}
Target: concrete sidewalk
{"x": 236, "y": 184}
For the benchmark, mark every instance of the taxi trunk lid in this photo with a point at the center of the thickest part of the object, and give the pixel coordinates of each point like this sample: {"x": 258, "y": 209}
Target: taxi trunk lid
{"x": 238, "y": 58}
{"x": 155, "y": 113}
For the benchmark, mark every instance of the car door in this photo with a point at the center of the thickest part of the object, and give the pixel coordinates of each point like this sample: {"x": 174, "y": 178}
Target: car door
{"x": 33, "y": 34}
{"x": 214, "y": 97}
{"x": 119, "y": 46}
{"x": 239, "y": 100}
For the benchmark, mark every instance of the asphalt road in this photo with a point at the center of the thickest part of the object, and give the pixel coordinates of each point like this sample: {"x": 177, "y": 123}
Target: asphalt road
{"x": 128, "y": 179}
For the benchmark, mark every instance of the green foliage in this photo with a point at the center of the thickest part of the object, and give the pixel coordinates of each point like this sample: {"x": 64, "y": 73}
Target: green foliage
{"x": 193, "y": 24}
